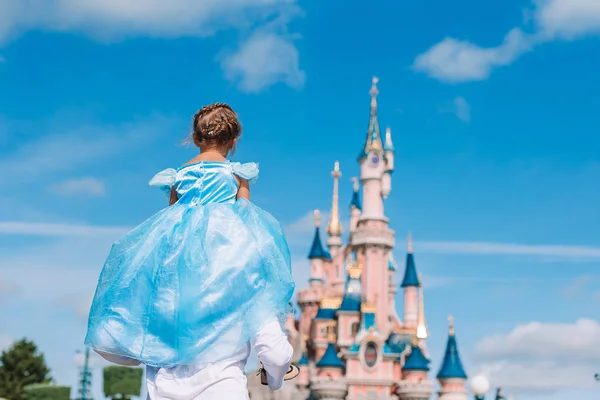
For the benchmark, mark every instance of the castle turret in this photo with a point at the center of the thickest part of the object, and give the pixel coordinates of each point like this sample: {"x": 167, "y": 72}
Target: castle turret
{"x": 317, "y": 255}
{"x": 334, "y": 242}
{"x": 303, "y": 377}
{"x": 386, "y": 180}
{"x": 324, "y": 324}
{"x": 410, "y": 284}
{"x": 422, "y": 333}
{"x": 392, "y": 267}
{"x": 414, "y": 384}
{"x": 348, "y": 314}
{"x": 330, "y": 384}
{"x": 372, "y": 165}
{"x": 355, "y": 206}
{"x": 452, "y": 375}
{"x": 372, "y": 236}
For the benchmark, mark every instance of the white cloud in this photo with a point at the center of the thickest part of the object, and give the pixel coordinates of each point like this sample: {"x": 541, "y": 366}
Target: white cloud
{"x": 301, "y": 231}
{"x": 263, "y": 60}
{"x": 455, "y": 61}
{"x": 114, "y": 19}
{"x": 581, "y": 285}
{"x": 462, "y": 109}
{"x": 490, "y": 248}
{"x": 83, "y": 186}
{"x": 567, "y": 19}
{"x": 268, "y": 56}
{"x": 54, "y": 152}
{"x": 56, "y": 229}
{"x": 542, "y": 357}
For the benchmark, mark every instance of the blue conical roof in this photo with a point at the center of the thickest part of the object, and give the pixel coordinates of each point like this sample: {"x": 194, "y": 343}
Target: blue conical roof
{"x": 317, "y": 250}
{"x": 326, "y": 313}
{"x": 352, "y": 295}
{"x": 330, "y": 359}
{"x": 356, "y": 200}
{"x": 416, "y": 361}
{"x": 303, "y": 360}
{"x": 451, "y": 366}
{"x": 410, "y": 273}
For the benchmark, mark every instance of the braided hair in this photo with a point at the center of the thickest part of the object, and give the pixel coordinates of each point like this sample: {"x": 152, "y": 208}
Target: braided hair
{"x": 216, "y": 124}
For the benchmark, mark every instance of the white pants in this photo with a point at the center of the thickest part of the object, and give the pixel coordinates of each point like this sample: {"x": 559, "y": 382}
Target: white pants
{"x": 220, "y": 381}
{"x": 224, "y": 380}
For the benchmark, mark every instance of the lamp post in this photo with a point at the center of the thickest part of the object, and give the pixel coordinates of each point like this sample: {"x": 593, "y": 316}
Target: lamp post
{"x": 480, "y": 386}
{"x": 85, "y": 381}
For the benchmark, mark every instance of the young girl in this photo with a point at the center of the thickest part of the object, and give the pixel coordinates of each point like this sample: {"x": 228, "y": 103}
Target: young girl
{"x": 188, "y": 290}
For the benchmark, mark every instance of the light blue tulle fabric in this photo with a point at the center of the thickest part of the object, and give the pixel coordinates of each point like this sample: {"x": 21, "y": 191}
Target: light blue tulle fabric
{"x": 194, "y": 282}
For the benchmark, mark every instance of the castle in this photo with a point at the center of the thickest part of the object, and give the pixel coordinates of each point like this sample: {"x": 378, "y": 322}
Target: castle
{"x": 350, "y": 343}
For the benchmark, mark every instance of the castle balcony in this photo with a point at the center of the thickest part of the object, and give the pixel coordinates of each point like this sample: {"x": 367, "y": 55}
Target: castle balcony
{"x": 373, "y": 236}
{"x": 325, "y": 388}
{"x": 415, "y": 390}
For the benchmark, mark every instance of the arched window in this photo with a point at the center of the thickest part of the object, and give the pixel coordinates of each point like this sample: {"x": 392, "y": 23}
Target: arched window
{"x": 354, "y": 328}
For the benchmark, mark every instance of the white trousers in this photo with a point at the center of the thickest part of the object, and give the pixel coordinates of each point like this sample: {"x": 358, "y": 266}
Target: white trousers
{"x": 226, "y": 379}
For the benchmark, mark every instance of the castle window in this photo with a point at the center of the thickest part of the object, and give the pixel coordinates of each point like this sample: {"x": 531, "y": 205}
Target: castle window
{"x": 354, "y": 328}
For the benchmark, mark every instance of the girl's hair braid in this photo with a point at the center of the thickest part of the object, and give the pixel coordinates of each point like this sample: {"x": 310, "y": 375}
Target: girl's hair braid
{"x": 216, "y": 124}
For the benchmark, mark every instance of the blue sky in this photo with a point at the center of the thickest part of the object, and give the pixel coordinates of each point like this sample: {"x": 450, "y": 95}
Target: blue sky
{"x": 493, "y": 111}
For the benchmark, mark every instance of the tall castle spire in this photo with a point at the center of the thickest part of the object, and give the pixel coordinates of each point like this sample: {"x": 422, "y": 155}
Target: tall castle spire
{"x": 451, "y": 366}
{"x": 411, "y": 279}
{"x": 373, "y": 141}
{"x": 316, "y": 250}
{"x": 335, "y": 227}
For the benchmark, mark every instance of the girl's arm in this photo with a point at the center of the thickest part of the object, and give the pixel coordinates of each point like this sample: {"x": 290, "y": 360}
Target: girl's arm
{"x": 173, "y": 198}
{"x": 244, "y": 189}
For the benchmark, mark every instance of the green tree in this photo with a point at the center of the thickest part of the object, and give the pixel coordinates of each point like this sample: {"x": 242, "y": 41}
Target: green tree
{"x": 122, "y": 382}
{"x": 43, "y": 391}
{"x": 21, "y": 365}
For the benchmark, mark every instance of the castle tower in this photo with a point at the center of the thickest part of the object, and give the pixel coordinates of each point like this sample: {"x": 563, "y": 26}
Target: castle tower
{"x": 334, "y": 242}
{"x": 452, "y": 375}
{"x": 348, "y": 315}
{"x": 309, "y": 299}
{"x": 388, "y": 148}
{"x": 324, "y": 324}
{"x": 414, "y": 384}
{"x": 372, "y": 237}
{"x": 355, "y": 205}
{"x": 422, "y": 333}
{"x": 392, "y": 290}
{"x": 317, "y": 256}
{"x": 410, "y": 284}
{"x": 302, "y": 381}
{"x": 330, "y": 383}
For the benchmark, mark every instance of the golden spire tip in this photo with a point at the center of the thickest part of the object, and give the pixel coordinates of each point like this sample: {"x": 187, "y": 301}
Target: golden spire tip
{"x": 410, "y": 243}
{"x": 451, "y": 325}
{"x": 317, "y": 218}
{"x": 355, "y": 183}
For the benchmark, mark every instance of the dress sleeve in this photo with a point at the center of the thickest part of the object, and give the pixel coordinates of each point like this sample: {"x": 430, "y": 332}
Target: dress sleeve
{"x": 164, "y": 180}
{"x": 247, "y": 171}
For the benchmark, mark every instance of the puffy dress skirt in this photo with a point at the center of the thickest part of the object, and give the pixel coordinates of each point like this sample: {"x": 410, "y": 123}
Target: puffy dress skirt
{"x": 191, "y": 285}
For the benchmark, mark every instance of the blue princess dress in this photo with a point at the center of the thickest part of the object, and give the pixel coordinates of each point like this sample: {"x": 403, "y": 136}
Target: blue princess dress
{"x": 196, "y": 281}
